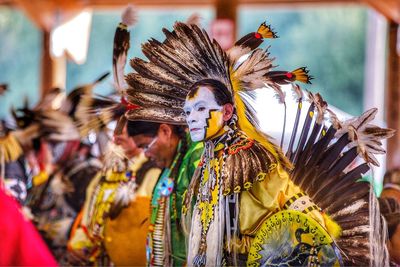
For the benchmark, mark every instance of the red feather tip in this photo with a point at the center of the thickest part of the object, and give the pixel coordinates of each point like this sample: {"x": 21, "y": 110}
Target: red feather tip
{"x": 128, "y": 105}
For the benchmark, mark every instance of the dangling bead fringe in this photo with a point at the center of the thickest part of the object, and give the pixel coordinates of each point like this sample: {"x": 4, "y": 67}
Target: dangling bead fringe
{"x": 200, "y": 260}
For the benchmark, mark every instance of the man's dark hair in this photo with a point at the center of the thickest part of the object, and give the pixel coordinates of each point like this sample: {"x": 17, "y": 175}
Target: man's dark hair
{"x": 142, "y": 127}
{"x": 151, "y": 128}
{"x": 222, "y": 94}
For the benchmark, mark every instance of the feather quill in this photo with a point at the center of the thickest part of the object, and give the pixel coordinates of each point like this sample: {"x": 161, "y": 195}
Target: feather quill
{"x": 121, "y": 46}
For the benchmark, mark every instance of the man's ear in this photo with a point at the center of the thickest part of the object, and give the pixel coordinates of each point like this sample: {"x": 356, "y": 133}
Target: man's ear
{"x": 165, "y": 131}
{"x": 227, "y": 112}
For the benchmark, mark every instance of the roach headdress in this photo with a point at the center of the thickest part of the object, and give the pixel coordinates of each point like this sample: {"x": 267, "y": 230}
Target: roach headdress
{"x": 160, "y": 85}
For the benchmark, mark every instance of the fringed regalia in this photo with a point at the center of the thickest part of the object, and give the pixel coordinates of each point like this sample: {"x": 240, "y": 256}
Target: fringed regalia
{"x": 107, "y": 206}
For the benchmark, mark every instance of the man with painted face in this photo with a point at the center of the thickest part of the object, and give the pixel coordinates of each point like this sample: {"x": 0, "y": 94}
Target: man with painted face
{"x": 207, "y": 109}
{"x": 211, "y": 117}
{"x": 169, "y": 147}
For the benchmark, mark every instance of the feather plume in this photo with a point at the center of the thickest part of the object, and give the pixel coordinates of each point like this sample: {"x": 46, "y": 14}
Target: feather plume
{"x": 72, "y": 100}
{"x": 50, "y": 100}
{"x": 3, "y": 88}
{"x": 185, "y": 57}
{"x": 297, "y": 92}
{"x": 94, "y": 112}
{"x": 121, "y": 47}
{"x": 129, "y": 16}
{"x": 252, "y": 71}
{"x": 286, "y": 77}
{"x": 280, "y": 95}
{"x": 58, "y": 126}
{"x": 114, "y": 158}
{"x": 124, "y": 195}
{"x": 26, "y": 135}
{"x": 321, "y": 106}
{"x": 10, "y": 149}
{"x": 322, "y": 171}
{"x": 195, "y": 19}
{"x": 250, "y": 41}
{"x": 245, "y": 165}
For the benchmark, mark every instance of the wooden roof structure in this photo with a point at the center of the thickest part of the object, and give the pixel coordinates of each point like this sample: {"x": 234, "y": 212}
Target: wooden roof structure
{"x": 47, "y": 14}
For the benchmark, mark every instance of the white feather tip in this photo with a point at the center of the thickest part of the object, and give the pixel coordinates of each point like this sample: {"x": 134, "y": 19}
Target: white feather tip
{"x": 129, "y": 16}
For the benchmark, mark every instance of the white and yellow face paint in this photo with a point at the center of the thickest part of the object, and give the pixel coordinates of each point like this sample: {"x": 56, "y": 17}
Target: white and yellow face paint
{"x": 203, "y": 115}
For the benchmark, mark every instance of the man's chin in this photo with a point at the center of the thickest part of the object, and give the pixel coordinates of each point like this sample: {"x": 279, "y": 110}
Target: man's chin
{"x": 197, "y": 137}
{"x": 160, "y": 164}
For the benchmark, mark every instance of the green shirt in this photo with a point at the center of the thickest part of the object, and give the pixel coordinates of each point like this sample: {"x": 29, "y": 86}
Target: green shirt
{"x": 187, "y": 167}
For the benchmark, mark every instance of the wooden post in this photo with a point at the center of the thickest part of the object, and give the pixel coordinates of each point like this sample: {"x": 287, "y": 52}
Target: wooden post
{"x": 226, "y": 9}
{"x": 393, "y": 97}
{"x": 47, "y": 64}
{"x": 54, "y": 69}
{"x": 223, "y": 28}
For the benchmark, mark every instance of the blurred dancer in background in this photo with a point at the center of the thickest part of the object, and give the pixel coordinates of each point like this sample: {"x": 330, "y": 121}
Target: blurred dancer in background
{"x": 390, "y": 207}
{"x": 20, "y": 244}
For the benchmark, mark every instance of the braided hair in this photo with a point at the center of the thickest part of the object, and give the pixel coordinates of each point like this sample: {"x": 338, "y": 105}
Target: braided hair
{"x": 180, "y": 132}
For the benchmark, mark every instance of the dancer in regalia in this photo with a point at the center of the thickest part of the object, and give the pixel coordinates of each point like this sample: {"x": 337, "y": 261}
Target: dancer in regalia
{"x": 253, "y": 203}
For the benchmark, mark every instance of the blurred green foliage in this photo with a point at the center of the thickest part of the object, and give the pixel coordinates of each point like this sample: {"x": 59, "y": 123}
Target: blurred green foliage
{"x": 20, "y": 45}
{"x": 330, "y": 41}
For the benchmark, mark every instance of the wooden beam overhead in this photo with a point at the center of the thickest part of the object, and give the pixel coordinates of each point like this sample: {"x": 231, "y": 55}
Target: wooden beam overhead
{"x": 47, "y": 14}
{"x": 149, "y": 3}
{"x": 389, "y": 8}
{"x": 42, "y": 12}
{"x": 296, "y": 2}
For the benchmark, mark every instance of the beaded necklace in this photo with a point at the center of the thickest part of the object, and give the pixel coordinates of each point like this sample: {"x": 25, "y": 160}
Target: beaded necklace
{"x": 102, "y": 200}
{"x": 212, "y": 173}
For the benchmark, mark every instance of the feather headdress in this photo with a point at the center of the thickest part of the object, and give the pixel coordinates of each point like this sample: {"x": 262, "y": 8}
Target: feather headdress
{"x": 160, "y": 85}
{"x": 3, "y": 88}
{"x": 327, "y": 170}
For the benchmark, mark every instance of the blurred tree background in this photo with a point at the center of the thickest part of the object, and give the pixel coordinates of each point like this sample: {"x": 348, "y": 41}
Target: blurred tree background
{"x": 20, "y": 45}
{"x": 330, "y": 41}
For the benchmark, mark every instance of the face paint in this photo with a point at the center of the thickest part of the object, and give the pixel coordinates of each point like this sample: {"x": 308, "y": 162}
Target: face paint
{"x": 215, "y": 124}
{"x": 203, "y": 115}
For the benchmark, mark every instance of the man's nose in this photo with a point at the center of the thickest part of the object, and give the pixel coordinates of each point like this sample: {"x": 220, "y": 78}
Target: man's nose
{"x": 191, "y": 118}
{"x": 117, "y": 140}
{"x": 147, "y": 154}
